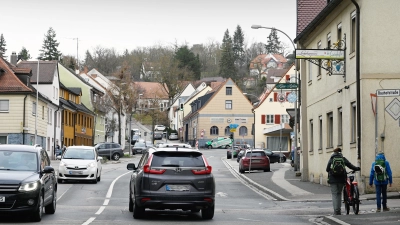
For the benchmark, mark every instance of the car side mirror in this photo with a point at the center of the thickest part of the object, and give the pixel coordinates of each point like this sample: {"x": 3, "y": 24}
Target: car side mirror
{"x": 131, "y": 166}
{"x": 48, "y": 169}
{"x": 99, "y": 158}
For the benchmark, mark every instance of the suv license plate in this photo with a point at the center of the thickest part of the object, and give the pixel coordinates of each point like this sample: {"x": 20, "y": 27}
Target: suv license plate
{"x": 2, "y": 199}
{"x": 169, "y": 187}
{"x": 75, "y": 172}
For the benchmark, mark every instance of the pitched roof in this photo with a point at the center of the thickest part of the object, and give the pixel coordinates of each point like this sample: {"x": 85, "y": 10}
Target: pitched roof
{"x": 46, "y": 70}
{"x": 152, "y": 89}
{"x": 9, "y": 82}
{"x": 306, "y": 12}
{"x": 265, "y": 58}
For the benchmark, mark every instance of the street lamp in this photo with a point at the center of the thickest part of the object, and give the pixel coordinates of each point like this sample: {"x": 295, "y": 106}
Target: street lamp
{"x": 254, "y": 120}
{"x": 296, "y": 158}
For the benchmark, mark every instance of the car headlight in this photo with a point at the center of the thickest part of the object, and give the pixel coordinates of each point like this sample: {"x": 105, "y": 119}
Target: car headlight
{"x": 92, "y": 164}
{"x": 62, "y": 163}
{"x": 29, "y": 186}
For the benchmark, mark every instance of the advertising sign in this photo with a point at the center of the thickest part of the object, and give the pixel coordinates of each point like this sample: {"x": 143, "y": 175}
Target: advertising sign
{"x": 319, "y": 54}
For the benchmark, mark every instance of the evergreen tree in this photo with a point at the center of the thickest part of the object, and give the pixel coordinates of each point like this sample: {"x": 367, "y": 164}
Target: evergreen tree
{"x": 49, "y": 48}
{"x": 273, "y": 45}
{"x": 238, "y": 45}
{"x": 24, "y": 54}
{"x": 227, "y": 62}
{"x": 187, "y": 59}
{"x": 2, "y": 46}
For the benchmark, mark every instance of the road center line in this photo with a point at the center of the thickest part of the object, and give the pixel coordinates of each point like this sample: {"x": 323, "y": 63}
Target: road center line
{"x": 58, "y": 199}
{"x": 100, "y": 210}
{"x": 89, "y": 221}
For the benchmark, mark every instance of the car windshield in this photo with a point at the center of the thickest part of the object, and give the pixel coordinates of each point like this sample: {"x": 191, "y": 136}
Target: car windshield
{"x": 16, "y": 160}
{"x": 177, "y": 159}
{"x": 78, "y": 153}
{"x": 140, "y": 144}
{"x": 255, "y": 154}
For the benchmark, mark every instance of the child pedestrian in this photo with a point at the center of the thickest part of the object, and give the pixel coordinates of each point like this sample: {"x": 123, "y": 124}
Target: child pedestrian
{"x": 381, "y": 175}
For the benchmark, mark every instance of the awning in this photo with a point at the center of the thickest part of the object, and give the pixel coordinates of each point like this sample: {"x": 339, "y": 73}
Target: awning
{"x": 286, "y": 129}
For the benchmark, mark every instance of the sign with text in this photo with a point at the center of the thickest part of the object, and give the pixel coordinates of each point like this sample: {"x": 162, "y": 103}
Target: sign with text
{"x": 387, "y": 92}
{"x": 217, "y": 120}
{"x": 320, "y": 54}
{"x": 286, "y": 86}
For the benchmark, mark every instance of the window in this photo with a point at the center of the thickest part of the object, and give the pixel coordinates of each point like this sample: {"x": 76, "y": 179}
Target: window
{"x": 328, "y": 40}
{"x": 34, "y": 108}
{"x": 227, "y": 131}
{"x": 228, "y": 104}
{"x": 277, "y": 143}
{"x": 309, "y": 71}
{"x": 353, "y": 32}
{"x": 339, "y": 33}
{"x": 228, "y": 90}
{"x": 311, "y": 136}
{"x": 56, "y": 93}
{"x": 42, "y": 112}
{"x": 285, "y": 118}
{"x": 214, "y": 130}
{"x": 319, "y": 61}
{"x": 4, "y": 105}
{"x": 340, "y": 127}
{"x": 270, "y": 119}
{"x": 330, "y": 130}
{"x": 49, "y": 115}
{"x": 243, "y": 131}
{"x": 320, "y": 133}
{"x": 353, "y": 122}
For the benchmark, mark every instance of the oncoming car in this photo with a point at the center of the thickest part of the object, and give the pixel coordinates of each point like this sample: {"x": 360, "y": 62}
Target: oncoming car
{"x": 27, "y": 181}
{"x": 172, "y": 178}
{"x": 80, "y": 163}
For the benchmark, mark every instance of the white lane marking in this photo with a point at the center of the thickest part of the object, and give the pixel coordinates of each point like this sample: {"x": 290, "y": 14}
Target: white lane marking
{"x": 100, "y": 210}
{"x": 89, "y": 221}
{"x": 110, "y": 189}
{"x": 106, "y": 201}
{"x": 337, "y": 220}
{"x": 279, "y": 179}
{"x": 58, "y": 199}
{"x": 249, "y": 220}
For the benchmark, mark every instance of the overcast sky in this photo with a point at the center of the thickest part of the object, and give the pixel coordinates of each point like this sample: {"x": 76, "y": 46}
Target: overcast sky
{"x": 128, "y": 24}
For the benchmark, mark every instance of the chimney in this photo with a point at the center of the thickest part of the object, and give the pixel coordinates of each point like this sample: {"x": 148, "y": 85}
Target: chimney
{"x": 13, "y": 58}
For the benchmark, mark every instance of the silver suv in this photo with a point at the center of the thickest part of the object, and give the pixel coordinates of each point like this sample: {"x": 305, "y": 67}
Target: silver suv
{"x": 109, "y": 150}
{"x": 172, "y": 178}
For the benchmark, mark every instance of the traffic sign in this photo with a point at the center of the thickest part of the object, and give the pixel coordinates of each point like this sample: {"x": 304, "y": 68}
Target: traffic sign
{"x": 286, "y": 86}
{"x": 387, "y": 92}
{"x": 232, "y": 130}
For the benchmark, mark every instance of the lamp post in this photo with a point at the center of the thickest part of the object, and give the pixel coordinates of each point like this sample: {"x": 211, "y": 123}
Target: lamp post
{"x": 296, "y": 158}
{"x": 254, "y": 120}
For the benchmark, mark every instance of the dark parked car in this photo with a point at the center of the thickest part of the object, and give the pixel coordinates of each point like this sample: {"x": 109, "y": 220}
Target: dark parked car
{"x": 236, "y": 150}
{"x": 240, "y": 155}
{"x": 172, "y": 178}
{"x": 259, "y": 161}
{"x": 139, "y": 147}
{"x": 275, "y": 156}
{"x": 27, "y": 181}
{"x": 135, "y": 138}
{"x": 109, "y": 150}
{"x": 158, "y": 135}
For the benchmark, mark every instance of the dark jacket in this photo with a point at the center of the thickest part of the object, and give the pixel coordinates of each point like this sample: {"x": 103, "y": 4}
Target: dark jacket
{"x": 339, "y": 179}
{"x": 387, "y": 168}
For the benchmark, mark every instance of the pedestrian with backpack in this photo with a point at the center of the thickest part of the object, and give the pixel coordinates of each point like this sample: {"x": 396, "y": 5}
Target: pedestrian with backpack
{"x": 337, "y": 176}
{"x": 381, "y": 174}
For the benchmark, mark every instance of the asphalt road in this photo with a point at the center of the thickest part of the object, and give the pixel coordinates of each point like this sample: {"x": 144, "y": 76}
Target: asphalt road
{"x": 236, "y": 201}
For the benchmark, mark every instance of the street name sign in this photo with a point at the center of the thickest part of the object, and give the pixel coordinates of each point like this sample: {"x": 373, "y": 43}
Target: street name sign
{"x": 286, "y": 86}
{"x": 387, "y": 92}
{"x": 320, "y": 54}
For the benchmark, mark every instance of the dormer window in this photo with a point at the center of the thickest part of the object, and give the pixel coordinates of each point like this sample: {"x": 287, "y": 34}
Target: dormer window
{"x": 228, "y": 90}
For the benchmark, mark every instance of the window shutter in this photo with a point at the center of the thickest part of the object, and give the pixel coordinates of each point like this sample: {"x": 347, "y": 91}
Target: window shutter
{"x": 275, "y": 96}
{"x": 287, "y": 93}
{"x": 287, "y": 77}
{"x": 277, "y": 119}
{"x": 262, "y": 119}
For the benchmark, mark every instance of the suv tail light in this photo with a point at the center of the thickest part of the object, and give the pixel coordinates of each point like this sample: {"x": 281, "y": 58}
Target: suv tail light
{"x": 207, "y": 170}
{"x": 147, "y": 169}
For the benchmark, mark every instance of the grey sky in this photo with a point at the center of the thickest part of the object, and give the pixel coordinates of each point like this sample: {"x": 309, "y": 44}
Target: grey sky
{"x": 128, "y": 24}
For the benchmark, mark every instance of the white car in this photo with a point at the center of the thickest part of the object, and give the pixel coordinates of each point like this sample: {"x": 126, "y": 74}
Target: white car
{"x": 159, "y": 127}
{"x": 173, "y": 136}
{"x": 80, "y": 163}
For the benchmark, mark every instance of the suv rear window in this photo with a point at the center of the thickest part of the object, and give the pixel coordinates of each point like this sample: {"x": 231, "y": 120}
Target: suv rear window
{"x": 255, "y": 154}
{"x": 173, "y": 159}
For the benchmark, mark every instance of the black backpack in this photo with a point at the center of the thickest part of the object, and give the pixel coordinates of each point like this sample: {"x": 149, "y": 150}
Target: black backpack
{"x": 338, "y": 167}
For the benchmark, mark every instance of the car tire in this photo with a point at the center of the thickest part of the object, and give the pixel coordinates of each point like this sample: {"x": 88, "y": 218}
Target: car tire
{"x": 115, "y": 156}
{"x": 209, "y": 147}
{"x": 268, "y": 169}
{"x": 59, "y": 181}
{"x": 99, "y": 178}
{"x": 138, "y": 212}
{"x": 130, "y": 203}
{"x": 228, "y": 156}
{"x": 51, "y": 208}
{"x": 37, "y": 214}
{"x": 95, "y": 179}
{"x": 241, "y": 170}
{"x": 207, "y": 213}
